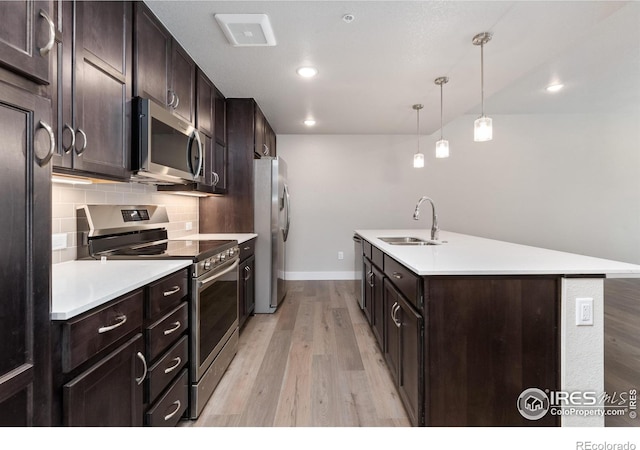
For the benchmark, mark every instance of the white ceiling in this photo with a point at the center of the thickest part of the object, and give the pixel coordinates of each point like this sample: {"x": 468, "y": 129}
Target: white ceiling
{"x": 374, "y": 69}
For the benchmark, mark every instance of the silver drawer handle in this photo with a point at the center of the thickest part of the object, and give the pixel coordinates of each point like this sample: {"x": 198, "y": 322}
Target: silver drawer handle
{"x": 173, "y": 98}
{"x": 175, "y": 366}
{"x": 247, "y": 273}
{"x": 121, "y": 321}
{"x": 171, "y": 330}
{"x": 247, "y": 248}
{"x": 169, "y": 416}
{"x": 52, "y": 34}
{"x": 144, "y": 365}
{"x": 397, "y": 276}
{"x": 172, "y": 291}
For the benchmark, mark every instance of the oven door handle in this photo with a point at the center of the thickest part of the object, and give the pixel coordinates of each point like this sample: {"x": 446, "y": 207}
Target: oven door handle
{"x": 218, "y": 275}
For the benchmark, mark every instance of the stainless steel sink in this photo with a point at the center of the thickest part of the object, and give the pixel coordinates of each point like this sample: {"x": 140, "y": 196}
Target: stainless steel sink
{"x": 407, "y": 241}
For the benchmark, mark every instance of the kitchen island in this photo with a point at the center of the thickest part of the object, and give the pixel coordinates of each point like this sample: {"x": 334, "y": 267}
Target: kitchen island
{"x": 470, "y": 323}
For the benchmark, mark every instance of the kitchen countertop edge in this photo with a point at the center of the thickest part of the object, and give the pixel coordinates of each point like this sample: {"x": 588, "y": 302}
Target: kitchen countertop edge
{"x": 80, "y": 286}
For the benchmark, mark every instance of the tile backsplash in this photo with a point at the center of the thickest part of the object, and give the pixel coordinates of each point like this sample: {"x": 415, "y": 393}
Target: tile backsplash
{"x": 65, "y": 198}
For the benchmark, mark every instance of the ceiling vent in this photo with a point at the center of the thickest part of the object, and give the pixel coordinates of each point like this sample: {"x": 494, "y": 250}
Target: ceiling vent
{"x": 247, "y": 30}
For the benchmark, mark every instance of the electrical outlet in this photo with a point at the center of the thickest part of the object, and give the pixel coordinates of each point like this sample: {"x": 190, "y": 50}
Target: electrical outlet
{"x": 340, "y": 255}
{"x": 59, "y": 241}
{"x": 188, "y": 226}
{"x": 584, "y": 311}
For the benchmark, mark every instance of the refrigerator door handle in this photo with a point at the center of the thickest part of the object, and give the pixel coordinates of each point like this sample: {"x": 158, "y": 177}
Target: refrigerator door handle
{"x": 287, "y": 203}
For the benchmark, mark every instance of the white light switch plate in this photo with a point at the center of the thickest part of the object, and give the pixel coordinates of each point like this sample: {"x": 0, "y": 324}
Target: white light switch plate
{"x": 584, "y": 311}
{"x": 59, "y": 241}
{"x": 188, "y": 226}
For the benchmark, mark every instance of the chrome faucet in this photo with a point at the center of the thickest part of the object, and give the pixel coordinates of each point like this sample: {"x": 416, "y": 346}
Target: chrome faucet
{"x": 434, "y": 220}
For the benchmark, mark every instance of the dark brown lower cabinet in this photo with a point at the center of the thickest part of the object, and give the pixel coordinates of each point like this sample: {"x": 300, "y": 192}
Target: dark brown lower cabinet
{"x": 377, "y": 307}
{"x": 368, "y": 290}
{"x": 404, "y": 351}
{"x": 488, "y": 340}
{"x": 109, "y": 392}
{"x": 247, "y": 293}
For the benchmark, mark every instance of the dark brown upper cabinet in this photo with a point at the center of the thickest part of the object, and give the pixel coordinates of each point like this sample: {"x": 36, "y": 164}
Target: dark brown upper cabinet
{"x": 27, "y": 36}
{"x": 163, "y": 70}
{"x": 93, "y": 88}
{"x": 210, "y": 104}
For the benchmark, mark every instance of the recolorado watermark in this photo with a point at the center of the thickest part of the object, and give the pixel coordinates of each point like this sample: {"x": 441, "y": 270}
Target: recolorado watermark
{"x": 588, "y": 445}
{"x": 534, "y": 404}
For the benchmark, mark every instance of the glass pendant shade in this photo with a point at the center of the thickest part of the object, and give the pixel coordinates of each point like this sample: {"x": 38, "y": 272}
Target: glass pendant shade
{"x": 418, "y": 160}
{"x": 442, "y": 148}
{"x": 483, "y": 129}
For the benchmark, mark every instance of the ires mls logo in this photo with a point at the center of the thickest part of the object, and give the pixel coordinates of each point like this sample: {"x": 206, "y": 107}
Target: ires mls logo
{"x": 533, "y": 404}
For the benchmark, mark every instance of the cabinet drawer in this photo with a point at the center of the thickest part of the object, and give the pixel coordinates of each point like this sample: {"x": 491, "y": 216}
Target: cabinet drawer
{"x": 86, "y": 335}
{"x": 165, "y": 331}
{"x": 169, "y": 409}
{"x": 406, "y": 281}
{"x": 366, "y": 248}
{"x": 377, "y": 257}
{"x": 166, "y": 293}
{"x": 167, "y": 367}
{"x": 247, "y": 249}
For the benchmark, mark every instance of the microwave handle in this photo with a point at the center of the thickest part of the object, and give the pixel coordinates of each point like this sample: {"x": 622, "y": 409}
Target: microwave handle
{"x": 196, "y": 137}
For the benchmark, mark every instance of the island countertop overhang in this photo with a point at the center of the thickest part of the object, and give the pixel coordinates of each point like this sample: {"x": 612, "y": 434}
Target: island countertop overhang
{"x": 462, "y": 254}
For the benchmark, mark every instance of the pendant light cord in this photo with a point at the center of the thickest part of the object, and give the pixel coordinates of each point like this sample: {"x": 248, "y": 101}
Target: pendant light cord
{"x": 482, "y": 76}
{"x": 441, "y": 111}
{"x": 418, "y": 128}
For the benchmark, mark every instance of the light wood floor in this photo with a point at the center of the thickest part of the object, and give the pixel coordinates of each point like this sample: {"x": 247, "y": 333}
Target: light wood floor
{"x": 314, "y": 362}
{"x": 621, "y": 342}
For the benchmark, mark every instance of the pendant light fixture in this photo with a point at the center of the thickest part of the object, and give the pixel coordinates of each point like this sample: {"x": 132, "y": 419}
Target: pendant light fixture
{"x": 482, "y": 127}
{"x": 442, "y": 146}
{"x": 418, "y": 158}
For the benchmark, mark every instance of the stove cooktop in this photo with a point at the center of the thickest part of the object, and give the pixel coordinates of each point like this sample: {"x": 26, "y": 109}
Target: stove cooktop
{"x": 194, "y": 250}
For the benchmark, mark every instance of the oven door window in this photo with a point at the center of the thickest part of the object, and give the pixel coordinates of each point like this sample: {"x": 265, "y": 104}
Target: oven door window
{"x": 218, "y": 310}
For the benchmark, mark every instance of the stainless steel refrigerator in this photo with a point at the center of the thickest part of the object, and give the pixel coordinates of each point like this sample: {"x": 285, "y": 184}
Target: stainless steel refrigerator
{"x": 272, "y": 220}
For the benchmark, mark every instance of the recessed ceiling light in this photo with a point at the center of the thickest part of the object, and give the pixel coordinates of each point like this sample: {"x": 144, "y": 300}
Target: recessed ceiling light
{"x": 348, "y": 18}
{"x": 555, "y": 87}
{"x": 309, "y": 122}
{"x": 307, "y": 72}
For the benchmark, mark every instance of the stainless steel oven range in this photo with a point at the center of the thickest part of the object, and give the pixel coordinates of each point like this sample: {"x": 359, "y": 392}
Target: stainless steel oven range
{"x": 138, "y": 232}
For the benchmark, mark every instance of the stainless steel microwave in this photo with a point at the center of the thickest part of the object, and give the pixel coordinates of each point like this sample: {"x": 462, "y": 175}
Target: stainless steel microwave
{"x": 165, "y": 148}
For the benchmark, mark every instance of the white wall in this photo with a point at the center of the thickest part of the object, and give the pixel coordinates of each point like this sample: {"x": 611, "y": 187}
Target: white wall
{"x": 565, "y": 182}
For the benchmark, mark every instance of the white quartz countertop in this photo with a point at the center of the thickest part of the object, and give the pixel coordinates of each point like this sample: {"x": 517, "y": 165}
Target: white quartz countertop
{"x": 240, "y": 237}
{"x": 469, "y": 255}
{"x": 79, "y": 286}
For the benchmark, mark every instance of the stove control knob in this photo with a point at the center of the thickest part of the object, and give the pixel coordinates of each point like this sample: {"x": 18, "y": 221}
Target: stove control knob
{"x": 222, "y": 257}
{"x": 232, "y": 252}
{"x": 207, "y": 264}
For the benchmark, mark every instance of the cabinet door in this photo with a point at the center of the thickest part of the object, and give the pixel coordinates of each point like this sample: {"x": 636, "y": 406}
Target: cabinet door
{"x": 258, "y": 133}
{"x": 269, "y": 140}
{"x": 411, "y": 355}
{"x": 377, "y": 306}
{"x": 25, "y": 372}
{"x": 368, "y": 290}
{"x": 204, "y": 104}
{"x": 391, "y": 330}
{"x": 152, "y": 57}
{"x": 249, "y": 285}
{"x": 26, "y": 38}
{"x": 103, "y": 87}
{"x": 183, "y": 83}
{"x": 220, "y": 166}
{"x": 220, "y": 117}
{"x": 110, "y": 392}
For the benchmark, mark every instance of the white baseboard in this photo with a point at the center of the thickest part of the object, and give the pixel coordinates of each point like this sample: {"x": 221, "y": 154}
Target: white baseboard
{"x": 321, "y": 275}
